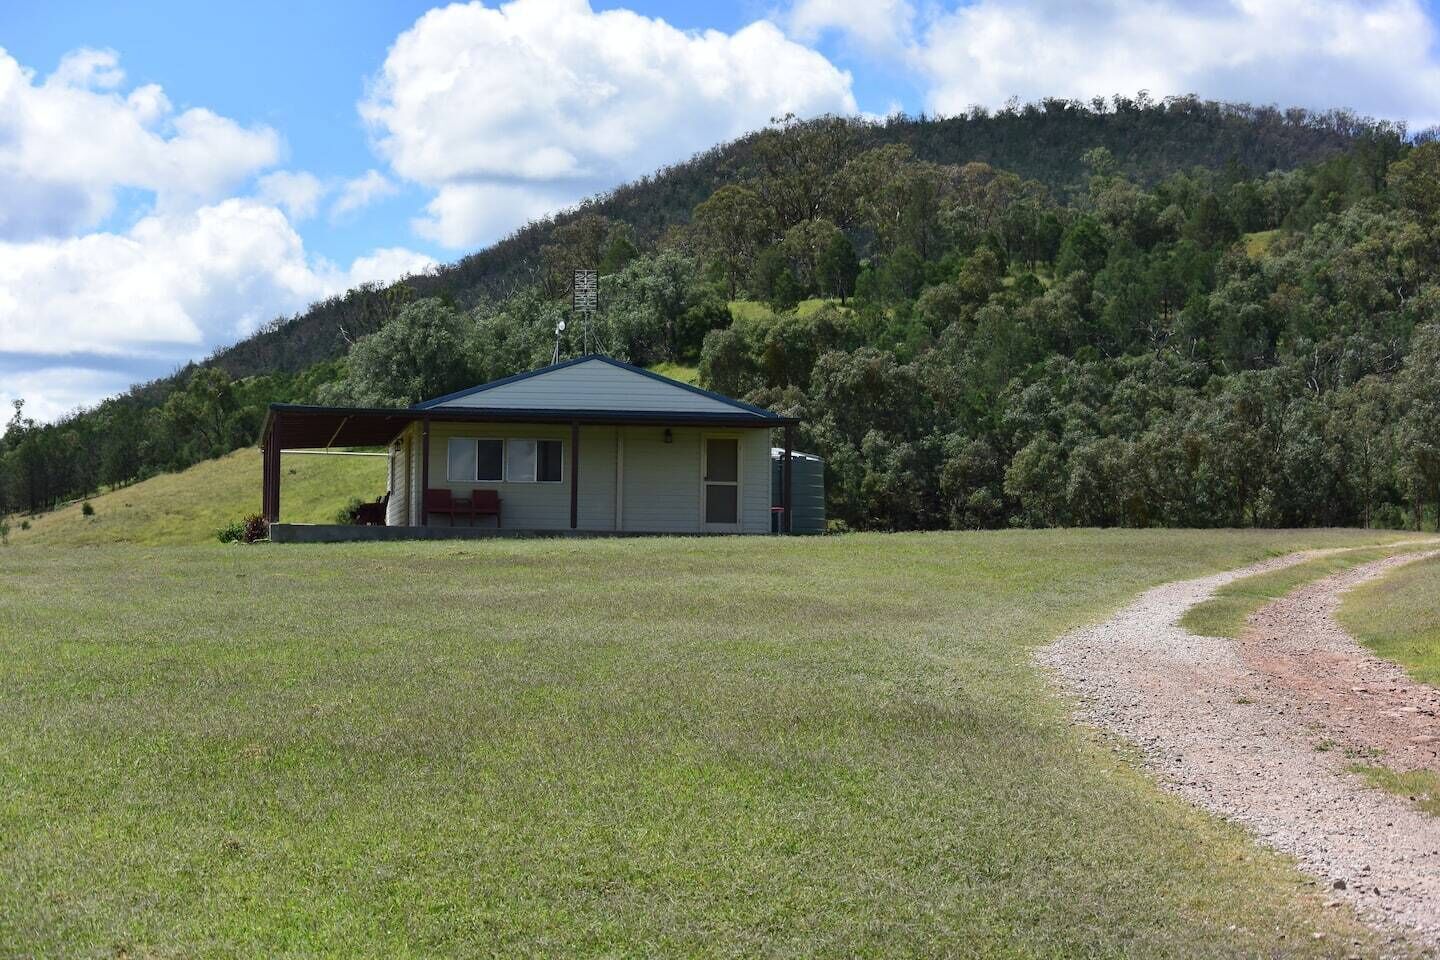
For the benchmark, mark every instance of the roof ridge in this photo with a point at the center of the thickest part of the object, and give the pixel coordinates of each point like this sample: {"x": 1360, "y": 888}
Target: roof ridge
{"x": 584, "y": 358}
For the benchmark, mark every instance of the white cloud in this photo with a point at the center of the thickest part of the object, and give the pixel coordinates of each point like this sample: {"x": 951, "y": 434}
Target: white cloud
{"x": 187, "y": 280}
{"x": 462, "y": 212}
{"x": 84, "y": 310}
{"x": 298, "y": 193}
{"x": 499, "y": 108}
{"x": 876, "y": 26}
{"x": 360, "y": 192}
{"x": 50, "y": 392}
{"x": 1374, "y": 57}
{"x": 69, "y": 142}
{"x": 386, "y": 265}
{"x": 173, "y": 285}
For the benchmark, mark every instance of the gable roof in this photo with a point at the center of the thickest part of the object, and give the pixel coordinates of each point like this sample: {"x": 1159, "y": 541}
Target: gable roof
{"x": 595, "y": 384}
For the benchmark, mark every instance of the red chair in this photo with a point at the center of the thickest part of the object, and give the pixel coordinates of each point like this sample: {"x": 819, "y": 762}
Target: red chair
{"x": 441, "y": 503}
{"x": 485, "y": 503}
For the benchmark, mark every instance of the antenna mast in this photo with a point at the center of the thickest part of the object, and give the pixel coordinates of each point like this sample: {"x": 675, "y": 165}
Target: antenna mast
{"x": 585, "y": 303}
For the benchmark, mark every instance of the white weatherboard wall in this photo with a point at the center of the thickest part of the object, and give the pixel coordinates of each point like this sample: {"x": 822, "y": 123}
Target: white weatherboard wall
{"x": 397, "y": 507}
{"x": 536, "y": 506}
{"x": 661, "y": 490}
{"x": 591, "y": 385}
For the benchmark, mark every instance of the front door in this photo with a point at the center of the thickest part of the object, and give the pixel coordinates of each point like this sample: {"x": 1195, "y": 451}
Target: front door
{"x": 720, "y": 488}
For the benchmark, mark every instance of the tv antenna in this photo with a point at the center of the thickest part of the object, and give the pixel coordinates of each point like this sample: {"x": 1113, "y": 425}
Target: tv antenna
{"x": 585, "y": 303}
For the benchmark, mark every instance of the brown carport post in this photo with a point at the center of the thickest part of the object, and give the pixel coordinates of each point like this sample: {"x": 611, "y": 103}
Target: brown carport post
{"x": 275, "y": 473}
{"x": 270, "y": 475}
{"x": 265, "y": 477}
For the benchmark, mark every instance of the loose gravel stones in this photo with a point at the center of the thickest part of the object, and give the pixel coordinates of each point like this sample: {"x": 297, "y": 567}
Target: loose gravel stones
{"x": 1263, "y": 731}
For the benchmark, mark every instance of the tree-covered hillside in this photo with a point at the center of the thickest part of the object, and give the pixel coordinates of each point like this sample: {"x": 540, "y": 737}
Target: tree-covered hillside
{"x": 1150, "y": 314}
{"x": 1041, "y": 141}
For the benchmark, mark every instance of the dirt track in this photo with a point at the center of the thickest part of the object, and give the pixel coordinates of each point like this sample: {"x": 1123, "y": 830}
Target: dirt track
{"x": 1263, "y": 730}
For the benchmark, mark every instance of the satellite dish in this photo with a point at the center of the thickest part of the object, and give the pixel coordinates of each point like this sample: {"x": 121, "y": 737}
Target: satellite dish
{"x": 560, "y": 327}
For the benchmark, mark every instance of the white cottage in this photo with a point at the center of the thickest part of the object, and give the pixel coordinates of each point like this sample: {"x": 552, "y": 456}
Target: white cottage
{"x": 590, "y": 445}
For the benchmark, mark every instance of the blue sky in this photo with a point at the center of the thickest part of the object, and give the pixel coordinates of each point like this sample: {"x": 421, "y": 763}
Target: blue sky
{"x": 174, "y": 174}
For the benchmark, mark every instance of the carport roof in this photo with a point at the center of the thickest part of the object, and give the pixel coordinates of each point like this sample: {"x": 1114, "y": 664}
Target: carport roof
{"x": 299, "y": 426}
{"x": 586, "y": 390}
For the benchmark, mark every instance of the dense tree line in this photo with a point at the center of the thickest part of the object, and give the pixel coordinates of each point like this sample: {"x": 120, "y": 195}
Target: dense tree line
{"x": 968, "y": 351}
{"x": 1148, "y": 319}
{"x": 1042, "y": 141}
{"x": 198, "y": 414}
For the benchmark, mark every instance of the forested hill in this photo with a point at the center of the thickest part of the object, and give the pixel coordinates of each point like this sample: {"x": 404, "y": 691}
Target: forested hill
{"x": 1043, "y": 141}
{"x": 1177, "y": 314}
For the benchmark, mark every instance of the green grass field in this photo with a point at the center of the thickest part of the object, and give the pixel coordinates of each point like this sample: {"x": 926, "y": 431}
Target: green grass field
{"x": 1398, "y": 616}
{"x": 1224, "y": 614}
{"x": 188, "y": 507}
{"x": 723, "y": 747}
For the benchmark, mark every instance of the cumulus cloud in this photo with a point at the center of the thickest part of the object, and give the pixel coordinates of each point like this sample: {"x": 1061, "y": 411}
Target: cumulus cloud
{"x": 1375, "y": 56}
{"x": 84, "y": 310}
{"x": 462, "y": 212}
{"x": 170, "y": 281}
{"x": 70, "y": 141}
{"x": 298, "y": 193}
{"x": 877, "y": 26}
{"x": 173, "y": 285}
{"x": 50, "y": 392}
{"x": 501, "y": 109}
{"x": 360, "y": 192}
{"x": 386, "y": 265}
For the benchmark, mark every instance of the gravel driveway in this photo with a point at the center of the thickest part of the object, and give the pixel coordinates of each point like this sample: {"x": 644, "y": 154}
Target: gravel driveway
{"x": 1262, "y": 731}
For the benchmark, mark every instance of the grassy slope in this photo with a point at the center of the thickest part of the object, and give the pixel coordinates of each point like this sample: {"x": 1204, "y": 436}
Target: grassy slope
{"x": 188, "y": 507}
{"x": 1398, "y": 616}
{"x": 644, "y": 747}
{"x": 1224, "y": 614}
{"x": 1258, "y": 244}
{"x": 749, "y": 311}
{"x": 677, "y": 371}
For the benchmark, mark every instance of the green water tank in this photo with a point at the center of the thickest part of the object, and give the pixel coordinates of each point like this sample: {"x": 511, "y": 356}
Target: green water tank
{"x": 807, "y": 493}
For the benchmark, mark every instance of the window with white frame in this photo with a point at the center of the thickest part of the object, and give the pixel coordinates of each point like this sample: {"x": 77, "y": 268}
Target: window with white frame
{"x": 516, "y": 460}
{"x": 475, "y": 459}
{"x": 533, "y": 461}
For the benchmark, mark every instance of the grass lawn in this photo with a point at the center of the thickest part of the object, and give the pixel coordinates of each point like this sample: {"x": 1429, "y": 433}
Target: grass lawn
{"x": 189, "y": 506}
{"x": 1224, "y": 614}
{"x": 1398, "y": 616}
{"x": 726, "y": 747}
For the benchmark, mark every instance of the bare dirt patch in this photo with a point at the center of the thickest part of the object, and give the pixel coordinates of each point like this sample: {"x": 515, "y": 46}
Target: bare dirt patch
{"x": 1352, "y": 699}
{"x": 1263, "y": 731}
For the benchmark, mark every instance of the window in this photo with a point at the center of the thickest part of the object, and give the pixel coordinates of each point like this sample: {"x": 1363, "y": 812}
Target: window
{"x": 533, "y": 461}
{"x": 520, "y": 457}
{"x": 549, "y": 469}
{"x": 471, "y": 460}
{"x": 461, "y": 465}
{"x": 490, "y": 460}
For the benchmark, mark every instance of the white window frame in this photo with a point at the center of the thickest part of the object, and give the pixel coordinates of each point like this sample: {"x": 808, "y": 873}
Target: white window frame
{"x": 475, "y": 445}
{"x": 534, "y": 476}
